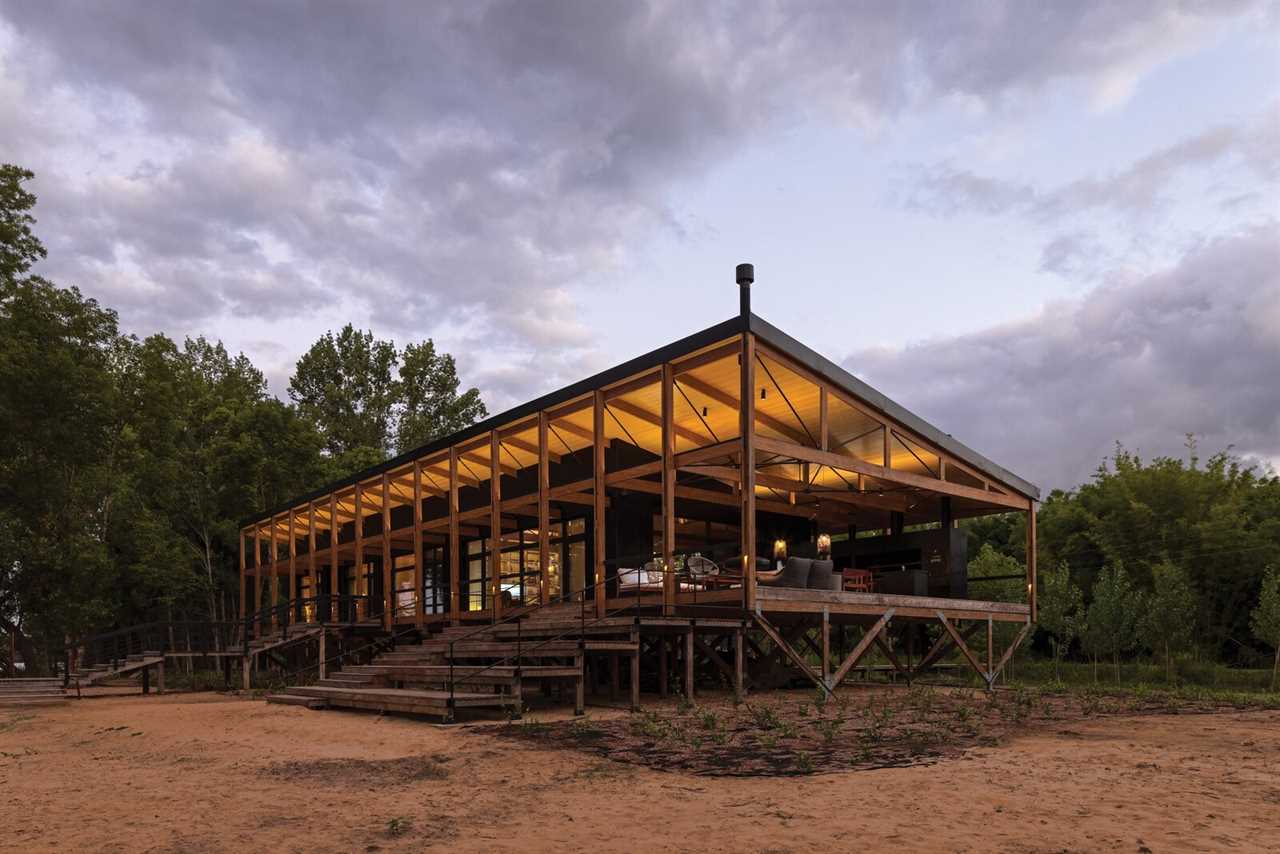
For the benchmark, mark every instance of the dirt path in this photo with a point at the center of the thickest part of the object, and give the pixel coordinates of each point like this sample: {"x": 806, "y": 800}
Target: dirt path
{"x": 208, "y": 773}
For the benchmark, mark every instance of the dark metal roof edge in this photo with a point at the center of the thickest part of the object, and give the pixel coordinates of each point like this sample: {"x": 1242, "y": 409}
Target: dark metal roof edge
{"x": 820, "y": 364}
{"x": 653, "y": 358}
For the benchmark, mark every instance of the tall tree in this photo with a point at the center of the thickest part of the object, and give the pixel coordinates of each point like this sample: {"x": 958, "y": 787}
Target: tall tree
{"x": 344, "y": 384}
{"x": 1111, "y": 618}
{"x": 1168, "y": 614}
{"x": 429, "y": 405}
{"x": 19, "y": 247}
{"x": 1265, "y": 619}
{"x": 1061, "y": 611}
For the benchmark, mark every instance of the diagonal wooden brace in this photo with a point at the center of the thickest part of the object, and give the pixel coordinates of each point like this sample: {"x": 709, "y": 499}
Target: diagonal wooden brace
{"x": 940, "y": 648}
{"x": 796, "y": 658}
{"x": 964, "y": 649}
{"x": 860, "y": 650}
{"x": 893, "y": 658}
{"x": 1008, "y": 653}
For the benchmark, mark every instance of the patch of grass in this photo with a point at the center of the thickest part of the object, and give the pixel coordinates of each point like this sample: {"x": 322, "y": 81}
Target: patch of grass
{"x": 765, "y": 717}
{"x": 398, "y": 826}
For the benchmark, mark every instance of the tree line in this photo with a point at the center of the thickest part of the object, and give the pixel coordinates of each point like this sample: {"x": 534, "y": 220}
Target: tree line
{"x": 1169, "y": 557}
{"x": 126, "y": 463}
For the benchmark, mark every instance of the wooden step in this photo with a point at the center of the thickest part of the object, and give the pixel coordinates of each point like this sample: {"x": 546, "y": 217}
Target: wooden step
{"x": 19, "y": 701}
{"x": 409, "y": 701}
{"x": 505, "y": 675}
{"x": 287, "y": 699}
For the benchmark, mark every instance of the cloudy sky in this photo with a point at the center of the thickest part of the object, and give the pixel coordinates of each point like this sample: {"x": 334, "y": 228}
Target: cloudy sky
{"x": 1044, "y": 227}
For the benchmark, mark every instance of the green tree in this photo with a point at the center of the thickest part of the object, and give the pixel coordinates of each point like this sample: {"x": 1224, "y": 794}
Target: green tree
{"x": 429, "y": 405}
{"x": 1111, "y": 618}
{"x": 1167, "y": 614}
{"x": 19, "y": 247}
{"x": 349, "y": 386}
{"x": 1265, "y": 618}
{"x": 344, "y": 385}
{"x": 1061, "y": 611}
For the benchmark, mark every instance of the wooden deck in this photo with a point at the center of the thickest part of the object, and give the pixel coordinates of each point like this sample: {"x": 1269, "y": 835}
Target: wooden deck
{"x": 786, "y": 600}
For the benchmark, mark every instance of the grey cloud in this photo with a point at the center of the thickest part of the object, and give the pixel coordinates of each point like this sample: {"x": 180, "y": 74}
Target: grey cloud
{"x": 1140, "y": 188}
{"x": 447, "y": 164}
{"x": 1194, "y": 349}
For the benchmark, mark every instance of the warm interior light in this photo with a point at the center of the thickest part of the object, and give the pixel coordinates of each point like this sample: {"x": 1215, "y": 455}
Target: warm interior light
{"x": 824, "y": 546}
{"x": 779, "y": 549}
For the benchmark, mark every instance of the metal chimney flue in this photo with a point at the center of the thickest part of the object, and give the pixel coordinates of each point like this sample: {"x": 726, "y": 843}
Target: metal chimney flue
{"x": 745, "y": 274}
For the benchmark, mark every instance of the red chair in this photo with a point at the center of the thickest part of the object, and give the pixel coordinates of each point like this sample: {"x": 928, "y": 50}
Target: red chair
{"x": 858, "y": 581}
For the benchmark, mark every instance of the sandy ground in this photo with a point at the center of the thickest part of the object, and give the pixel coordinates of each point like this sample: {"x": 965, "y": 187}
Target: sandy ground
{"x": 205, "y": 772}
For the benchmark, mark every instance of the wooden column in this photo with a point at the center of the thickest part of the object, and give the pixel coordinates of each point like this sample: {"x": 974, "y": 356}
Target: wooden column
{"x": 826, "y": 646}
{"x": 747, "y": 423}
{"x": 739, "y": 663}
{"x": 333, "y": 557}
{"x": 599, "y": 489}
{"x": 668, "y": 490}
{"x": 275, "y": 572}
{"x": 388, "y": 571}
{"x": 688, "y": 665}
{"x": 243, "y": 588}
{"x": 311, "y": 559}
{"x": 544, "y": 510}
{"x": 258, "y": 577}
{"x": 1032, "y": 582}
{"x": 886, "y": 432}
{"x": 495, "y": 524}
{"x": 293, "y": 566}
{"x": 419, "y": 608}
{"x": 358, "y": 569}
{"x": 824, "y": 437}
{"x": 455, "y": 586}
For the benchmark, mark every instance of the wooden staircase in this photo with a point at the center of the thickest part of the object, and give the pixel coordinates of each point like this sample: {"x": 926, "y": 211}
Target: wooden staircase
{"x": 87, "y": 676}
{"x": 25, "y": 692}
{"x": 463, "y": 667}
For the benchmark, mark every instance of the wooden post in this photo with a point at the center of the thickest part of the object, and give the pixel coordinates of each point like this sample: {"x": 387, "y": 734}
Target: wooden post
{"x": 599, "y": 489}
{"x": 888, "y": 455}
{"x": 495, "y": 524}
{"x": 358, "y": 571}
{"x": 293, "y": 567}
{"x": 747, "y": 418}
{"x": 324, "y": 667}
{"x": 991, "y": 649}
{"x": 688, "y": 665}
{"x": 662, "y": 666}
{"x": 455, "y": 587}
{"x": 160, "y": 676}
{"x": 388, "y": 571}
{"x": 1032, "y": 582}
{"x": 635, "y": 670}
{"x": 332, "y": 605}
{"x": 544, "y": 510}
{"x": 275, "y": 573}
{"x": 668, "y": 490}
{"x": 258, "y": 578}
{"x": 243, "y": 587}
{"x": 419, "y": 609}
{"x": 826, "y": 645}
{"x": 739, "y": 663}
{"x": 824, "y": 438}
{"x": 311, "y": 560}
